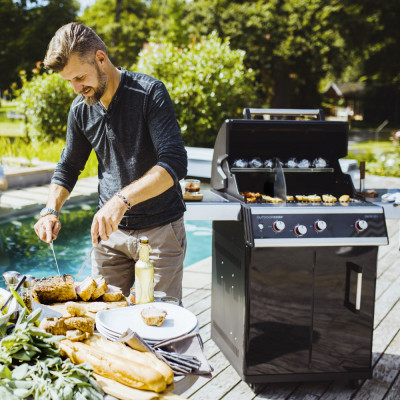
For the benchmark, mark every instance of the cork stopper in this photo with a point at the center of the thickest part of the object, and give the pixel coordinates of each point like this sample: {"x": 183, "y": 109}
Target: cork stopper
{"x": 144, "y": 240}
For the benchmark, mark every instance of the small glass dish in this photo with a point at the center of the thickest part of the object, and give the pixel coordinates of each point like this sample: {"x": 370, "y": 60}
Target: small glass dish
{"x": 158, "y": 295}
{"x": 192, "y": 186}
{"x": 171, "y": 300}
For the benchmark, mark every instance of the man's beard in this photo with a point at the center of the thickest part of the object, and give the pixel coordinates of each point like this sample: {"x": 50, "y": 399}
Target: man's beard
{"x": 98, "y": 90}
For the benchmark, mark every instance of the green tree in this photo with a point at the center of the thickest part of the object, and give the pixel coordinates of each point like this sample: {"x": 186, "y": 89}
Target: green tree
{"x": 207, "y": 82}
{"x": 26, "y": 29}
{"x": 122, "y": 25}
{"x": 291, "y": 44}
{"x": 167, "y": 21}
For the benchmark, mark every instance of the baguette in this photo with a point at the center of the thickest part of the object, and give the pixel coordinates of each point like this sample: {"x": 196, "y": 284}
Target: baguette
{"x": 128, "y": 372}
{"x": 146, "y": 358}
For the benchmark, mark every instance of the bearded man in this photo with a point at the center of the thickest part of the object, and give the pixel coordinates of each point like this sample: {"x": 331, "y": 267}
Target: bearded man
{"x": 129, "y": 121}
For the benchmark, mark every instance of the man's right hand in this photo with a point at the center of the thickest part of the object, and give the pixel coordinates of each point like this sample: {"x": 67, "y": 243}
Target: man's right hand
{"x": 47, "y": 228}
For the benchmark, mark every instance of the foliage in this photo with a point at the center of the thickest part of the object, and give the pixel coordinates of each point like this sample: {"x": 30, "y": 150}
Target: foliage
{"x": 124, "y": 32}
{"x": 169, "y": 22}
{"x": 379, "y": 160}
{"x": 30, "y": 365}
{"x": 43, "y": 151}
{"x": 207, "y": 82}
{"x": 26, "y": 29}
{"x": 45, "y": 101}
{"x": 291, "y": 44}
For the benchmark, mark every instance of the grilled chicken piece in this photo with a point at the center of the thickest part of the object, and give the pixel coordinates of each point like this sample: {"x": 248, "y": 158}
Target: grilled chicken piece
{"x": 101, "y": 288}
{"x": 344, "y": 198}
{"x": 55, "y": 289}
{"x": 114, "y": 293}
{"x": 271, "y": 199}
{"x": 250, "y": 194}
{"x": 86, "y": 288}
{"x": 153, "y": 316}
{"x": 314, "y": 198}
{"x": 328, "y": 198}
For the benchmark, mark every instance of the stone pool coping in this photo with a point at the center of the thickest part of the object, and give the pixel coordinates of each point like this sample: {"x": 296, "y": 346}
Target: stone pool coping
{"x": 30, "y": 200}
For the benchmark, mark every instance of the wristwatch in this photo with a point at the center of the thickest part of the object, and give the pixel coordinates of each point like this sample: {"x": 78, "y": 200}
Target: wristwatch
{"x": 47, "y": 211}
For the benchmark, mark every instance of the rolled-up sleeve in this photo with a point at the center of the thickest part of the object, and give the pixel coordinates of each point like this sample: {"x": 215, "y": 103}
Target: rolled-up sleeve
{"x": 165, "y": 132}
{"x": 73, "y": 157}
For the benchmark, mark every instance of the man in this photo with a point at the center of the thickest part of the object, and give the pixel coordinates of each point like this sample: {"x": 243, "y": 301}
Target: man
{"x": 129, "y": 120}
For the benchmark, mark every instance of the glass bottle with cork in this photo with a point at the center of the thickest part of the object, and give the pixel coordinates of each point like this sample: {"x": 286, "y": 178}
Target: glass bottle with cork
{"x": 144, "y": 274}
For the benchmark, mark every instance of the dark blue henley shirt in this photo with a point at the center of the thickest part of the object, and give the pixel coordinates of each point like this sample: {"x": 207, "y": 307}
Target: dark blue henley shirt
{"x": 138, "y": 131}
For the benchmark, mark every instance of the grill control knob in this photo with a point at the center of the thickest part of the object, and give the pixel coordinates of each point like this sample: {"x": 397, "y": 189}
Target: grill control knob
{"x": 278, "y": 226}
{"x": 320, "y": 225}
{"x": 260, "y": 227}
{"x": 300, "y": 230}
{"x": 361, "y": 225}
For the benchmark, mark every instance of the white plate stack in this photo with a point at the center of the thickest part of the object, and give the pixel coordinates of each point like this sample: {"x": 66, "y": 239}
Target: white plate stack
{"x": 113, "y": 323}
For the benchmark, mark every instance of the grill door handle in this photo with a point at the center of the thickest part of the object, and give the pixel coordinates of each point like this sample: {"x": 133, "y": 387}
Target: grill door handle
{"x": 222, "y": 178}
{"x": 248, "y": 112}
{"x": 351, "y": 267}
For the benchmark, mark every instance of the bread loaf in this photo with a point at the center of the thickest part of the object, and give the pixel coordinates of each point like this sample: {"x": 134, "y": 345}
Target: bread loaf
{"x": 114, "y": 293}
{"x": 129, "y": 372}
{"x": 86, "y": 288}
{"x": 101, "y": 288}
{"x": 147, "y": 358}
{"x": 54, "y": 289}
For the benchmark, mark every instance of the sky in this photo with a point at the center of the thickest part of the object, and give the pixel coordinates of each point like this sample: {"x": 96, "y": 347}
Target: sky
{"x": 86, "y": 3}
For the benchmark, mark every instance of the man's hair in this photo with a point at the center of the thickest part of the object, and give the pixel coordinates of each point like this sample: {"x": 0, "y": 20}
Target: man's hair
{"x": 73, "y": 38}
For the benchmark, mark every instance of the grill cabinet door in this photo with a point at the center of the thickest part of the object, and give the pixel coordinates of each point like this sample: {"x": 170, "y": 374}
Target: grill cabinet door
{"x": 228, "y": 291}
{"x": 280, "y": 311}
{"x": 345, "y": 333}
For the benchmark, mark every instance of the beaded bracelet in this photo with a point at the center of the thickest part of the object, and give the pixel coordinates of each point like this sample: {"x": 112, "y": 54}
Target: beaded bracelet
{"x": 124, "y": 199}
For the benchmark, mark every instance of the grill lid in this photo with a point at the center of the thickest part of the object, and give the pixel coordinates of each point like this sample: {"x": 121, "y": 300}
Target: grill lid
{"x": 265, "y": 139}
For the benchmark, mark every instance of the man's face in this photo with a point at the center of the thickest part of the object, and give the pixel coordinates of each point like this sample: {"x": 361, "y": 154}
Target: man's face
{"x": 85, "y": 78}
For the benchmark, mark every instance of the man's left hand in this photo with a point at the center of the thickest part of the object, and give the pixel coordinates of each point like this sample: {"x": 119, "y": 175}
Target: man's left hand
{"x": 106, "y": 220}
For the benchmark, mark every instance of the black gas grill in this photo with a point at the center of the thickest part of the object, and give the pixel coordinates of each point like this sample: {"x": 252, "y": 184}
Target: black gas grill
{"x": 293, "y": 284}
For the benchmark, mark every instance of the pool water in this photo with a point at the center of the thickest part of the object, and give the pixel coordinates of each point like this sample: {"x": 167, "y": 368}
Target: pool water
{"x": 21, "y": 250}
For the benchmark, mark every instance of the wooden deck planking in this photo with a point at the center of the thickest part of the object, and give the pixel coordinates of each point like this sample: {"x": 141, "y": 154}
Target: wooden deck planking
{"x": 226, "y": 384}
{"x": 394, "y": 392}
{"x": 227, "y": 380}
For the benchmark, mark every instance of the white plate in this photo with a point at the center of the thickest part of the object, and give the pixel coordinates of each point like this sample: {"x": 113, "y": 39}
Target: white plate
{"x": 178, "y": 321}
{"x": 107, "y": 335}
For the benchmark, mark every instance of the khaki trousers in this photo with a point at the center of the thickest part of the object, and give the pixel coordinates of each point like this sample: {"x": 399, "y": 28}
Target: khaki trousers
{"x": 115, "y": 259}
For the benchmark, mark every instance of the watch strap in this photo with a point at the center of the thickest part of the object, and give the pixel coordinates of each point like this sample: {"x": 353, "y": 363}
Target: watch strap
{"x": 46, "y": 211}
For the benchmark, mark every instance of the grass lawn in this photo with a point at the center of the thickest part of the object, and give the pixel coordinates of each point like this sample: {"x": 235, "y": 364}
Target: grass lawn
{"x": 372, "y": 146}
{"x": 11, "y": 129}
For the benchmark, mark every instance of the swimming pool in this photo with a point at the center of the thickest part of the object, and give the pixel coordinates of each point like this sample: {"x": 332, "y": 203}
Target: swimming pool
{"x": 22, "y": 251}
